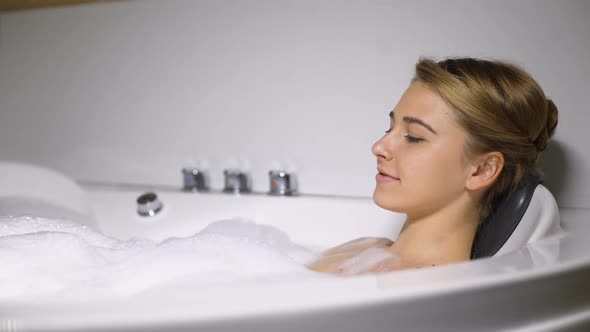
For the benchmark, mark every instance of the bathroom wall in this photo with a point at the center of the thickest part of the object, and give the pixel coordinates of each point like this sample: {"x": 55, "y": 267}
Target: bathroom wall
{"x": 132, "y": 91}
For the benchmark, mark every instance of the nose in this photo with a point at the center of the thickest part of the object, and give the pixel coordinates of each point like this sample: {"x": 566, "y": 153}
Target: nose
{"x": 381, "y": 149}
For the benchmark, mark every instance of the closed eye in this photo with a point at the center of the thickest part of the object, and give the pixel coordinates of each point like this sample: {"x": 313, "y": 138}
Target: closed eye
{"x": 413, "y": 139}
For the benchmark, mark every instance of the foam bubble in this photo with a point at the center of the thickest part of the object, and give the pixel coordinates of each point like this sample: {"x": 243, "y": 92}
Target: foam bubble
{"x": 50, "y": 257}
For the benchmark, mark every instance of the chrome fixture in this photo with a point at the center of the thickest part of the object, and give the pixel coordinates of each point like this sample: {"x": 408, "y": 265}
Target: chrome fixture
{"x": 148, "y": 205}
{"x": 282, "y": 183}
{"x": 195, "y": 179}
{"x": 236, "y": 181}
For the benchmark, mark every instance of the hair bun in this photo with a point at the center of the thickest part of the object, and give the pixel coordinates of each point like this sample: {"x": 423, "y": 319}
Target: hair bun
{"x": 552, "y": 118}
{"x": 549, "y": 129}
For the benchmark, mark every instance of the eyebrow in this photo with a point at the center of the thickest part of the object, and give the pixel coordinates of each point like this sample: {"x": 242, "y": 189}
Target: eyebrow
{"x": 410, "y": 119}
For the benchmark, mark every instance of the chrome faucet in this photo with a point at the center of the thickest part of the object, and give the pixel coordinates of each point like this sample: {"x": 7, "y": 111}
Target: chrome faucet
{"x": 282, "y": 183}
{"x": 148, "y": 205}
{"x": 195, "y": 179}
{"x": 236, "y": 181}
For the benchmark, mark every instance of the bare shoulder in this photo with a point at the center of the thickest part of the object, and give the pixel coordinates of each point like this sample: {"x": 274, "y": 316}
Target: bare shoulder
{"x": 359, "y": 245}
{"x": 332, "y": 259}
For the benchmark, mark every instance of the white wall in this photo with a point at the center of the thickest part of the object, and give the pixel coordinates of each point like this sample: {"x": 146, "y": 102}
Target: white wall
{"x": 132, "y": 91}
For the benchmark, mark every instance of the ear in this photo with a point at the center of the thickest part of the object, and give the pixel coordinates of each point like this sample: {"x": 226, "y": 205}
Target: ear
{"x": 485, "y": 170}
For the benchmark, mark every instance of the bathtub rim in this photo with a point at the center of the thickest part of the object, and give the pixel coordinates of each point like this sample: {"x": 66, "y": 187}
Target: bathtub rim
{"x": 359, "y": 291}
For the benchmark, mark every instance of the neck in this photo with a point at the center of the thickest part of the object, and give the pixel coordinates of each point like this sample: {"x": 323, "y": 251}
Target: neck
{"x": 439, "y": 237}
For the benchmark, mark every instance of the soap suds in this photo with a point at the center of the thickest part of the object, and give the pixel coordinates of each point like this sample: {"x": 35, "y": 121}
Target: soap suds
{"x": 51, "y": 257}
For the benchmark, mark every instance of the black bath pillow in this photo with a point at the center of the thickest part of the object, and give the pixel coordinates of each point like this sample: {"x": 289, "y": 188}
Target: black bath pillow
{"x": 507, "y": 211}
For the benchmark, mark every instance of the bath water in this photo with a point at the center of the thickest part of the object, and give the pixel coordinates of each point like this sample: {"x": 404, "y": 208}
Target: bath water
{"x": 42, "y": 257}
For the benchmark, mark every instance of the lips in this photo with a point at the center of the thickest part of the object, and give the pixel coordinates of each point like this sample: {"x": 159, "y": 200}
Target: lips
{"x": 386, "y": 176}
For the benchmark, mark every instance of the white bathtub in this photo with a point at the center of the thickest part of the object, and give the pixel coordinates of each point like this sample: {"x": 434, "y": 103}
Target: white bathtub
{"x": 542, "y": 287}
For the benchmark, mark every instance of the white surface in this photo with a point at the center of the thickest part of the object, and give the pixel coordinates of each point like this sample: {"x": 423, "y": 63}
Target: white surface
{"x": 540, "y": 220}
{"x": 307, "y": 220}
{"x": 513, "y": 290}
{"x": 132, "y": 91}
{"x": 20, "y": 182}
{"x": 545, "y": 282}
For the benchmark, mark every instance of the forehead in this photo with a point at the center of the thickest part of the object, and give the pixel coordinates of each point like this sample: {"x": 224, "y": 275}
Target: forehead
{"x": 421, "y": 101}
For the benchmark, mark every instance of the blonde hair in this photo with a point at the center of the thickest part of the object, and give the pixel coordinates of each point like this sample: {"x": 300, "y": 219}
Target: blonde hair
{"x": 501, "y": 107}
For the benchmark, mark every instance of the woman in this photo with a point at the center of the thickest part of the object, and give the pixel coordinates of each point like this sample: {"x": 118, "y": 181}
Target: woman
{"x": 465, "y": 131}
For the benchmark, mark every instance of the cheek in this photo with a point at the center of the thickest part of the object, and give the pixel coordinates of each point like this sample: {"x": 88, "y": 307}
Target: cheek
{"x": 430, "y": 176}
{"x": 438, "y": 176}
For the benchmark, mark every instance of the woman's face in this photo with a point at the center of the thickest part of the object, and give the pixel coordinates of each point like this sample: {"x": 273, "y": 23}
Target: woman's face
{"x": 420, "y": 160}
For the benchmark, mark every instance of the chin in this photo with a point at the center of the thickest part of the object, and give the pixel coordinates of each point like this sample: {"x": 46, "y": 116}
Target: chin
{"x": 385, "y": 201}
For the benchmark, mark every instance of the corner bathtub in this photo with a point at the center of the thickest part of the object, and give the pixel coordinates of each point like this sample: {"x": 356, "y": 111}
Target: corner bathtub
{"x": 544, "y": 286}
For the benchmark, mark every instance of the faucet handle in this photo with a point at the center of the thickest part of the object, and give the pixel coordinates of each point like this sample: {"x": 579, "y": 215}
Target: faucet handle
{"x": 282, "y": 183}
{"x": 195, "y": 179}
{"x": 236, "y": 181}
